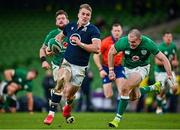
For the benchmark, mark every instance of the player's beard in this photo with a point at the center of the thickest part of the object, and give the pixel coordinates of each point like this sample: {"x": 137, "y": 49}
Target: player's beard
{"x": 61, "y": 27}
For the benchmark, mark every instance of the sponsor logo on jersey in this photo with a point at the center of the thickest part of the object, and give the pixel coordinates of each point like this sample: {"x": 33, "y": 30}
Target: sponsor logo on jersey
{"x": 76, "y": 35}
{"x": 143, "y": 52}
{"x": 135, "y": 58}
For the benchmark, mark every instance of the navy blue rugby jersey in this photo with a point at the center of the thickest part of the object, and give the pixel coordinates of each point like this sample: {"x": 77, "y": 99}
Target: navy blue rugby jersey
{"x": 75, "y": 54}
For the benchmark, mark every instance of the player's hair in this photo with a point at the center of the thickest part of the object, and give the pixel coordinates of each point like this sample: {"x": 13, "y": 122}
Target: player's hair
{"x": 167, "y": 33}
{"x": 136, "y": 32}
{"x": 86, "y": 6}
{"x": 116, "y": 25}
{"x": 60, "y": 12}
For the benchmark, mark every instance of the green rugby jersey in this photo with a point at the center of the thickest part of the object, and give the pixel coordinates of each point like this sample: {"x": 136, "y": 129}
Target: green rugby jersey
{"x": 20, "y": 77}
{"x": 169, "y": 51}
{"x": 57, "y": 58}
{"x": 139, "y": 56}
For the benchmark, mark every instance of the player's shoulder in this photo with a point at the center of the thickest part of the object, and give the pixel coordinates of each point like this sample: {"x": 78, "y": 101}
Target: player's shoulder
{"x": 106, "y": 41}
{"x": 93, "y": 27}
{"x": 54, "y": 30}
{"x": 107, "y": 38}
{"x": 123, "y": 39}
{"x": 146, "y": 40}
{"x": 72, "y": 23}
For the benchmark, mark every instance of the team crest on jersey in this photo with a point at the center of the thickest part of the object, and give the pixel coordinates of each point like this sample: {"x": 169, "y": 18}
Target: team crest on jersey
{"x": 135, "y": 58}
{"x": 74, "y": 35}
{"x": 127, "y": 52}
{"x": 143, "y": 52}
{"x": 19, "y": 79}
{"x": 173, "y": 51}
{"x": 165, "y": 52}
{"x": 72, "y": 28}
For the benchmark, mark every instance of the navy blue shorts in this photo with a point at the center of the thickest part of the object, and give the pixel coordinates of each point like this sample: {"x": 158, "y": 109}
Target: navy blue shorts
{"x": 118, "y": 70}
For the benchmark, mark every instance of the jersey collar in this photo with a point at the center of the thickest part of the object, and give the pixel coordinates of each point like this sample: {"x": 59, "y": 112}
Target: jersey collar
{"x": 84, "y": 25}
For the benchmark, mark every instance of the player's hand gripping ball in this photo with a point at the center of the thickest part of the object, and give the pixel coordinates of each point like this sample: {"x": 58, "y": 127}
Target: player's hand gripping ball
{"x": 54, "y": 46}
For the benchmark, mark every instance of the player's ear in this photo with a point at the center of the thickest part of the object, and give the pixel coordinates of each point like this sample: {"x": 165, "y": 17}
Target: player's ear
{"x": 67, "y": 21}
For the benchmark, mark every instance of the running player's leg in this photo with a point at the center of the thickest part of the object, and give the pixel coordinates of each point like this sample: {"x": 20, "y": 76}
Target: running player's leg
{"x": 64, "y": 74}
{"x": 78, "y": 74}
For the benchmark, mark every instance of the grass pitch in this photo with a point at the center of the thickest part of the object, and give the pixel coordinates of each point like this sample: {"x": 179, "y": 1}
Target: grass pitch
{"x": 90, "y": 121}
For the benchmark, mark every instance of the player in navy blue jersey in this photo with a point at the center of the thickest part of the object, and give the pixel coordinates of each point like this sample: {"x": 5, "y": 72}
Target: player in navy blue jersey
{"x": 83, "y": 39}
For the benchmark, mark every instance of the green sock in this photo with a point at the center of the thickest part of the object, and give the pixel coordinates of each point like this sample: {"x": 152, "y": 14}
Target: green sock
{"x": 122, "y": 106}
{"x": 159, "y": 101}
{"x": 145, "y": 90}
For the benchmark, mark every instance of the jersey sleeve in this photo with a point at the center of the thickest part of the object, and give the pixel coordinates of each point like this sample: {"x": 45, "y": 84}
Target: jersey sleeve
{"x": 65, "y": 30}
{"x": 120, "y": 45}
{"x": 152, "y": 46}
{"x": 175, "y": 48}
{"x": 95, "y": 33}
{"x": 48, "y": 37}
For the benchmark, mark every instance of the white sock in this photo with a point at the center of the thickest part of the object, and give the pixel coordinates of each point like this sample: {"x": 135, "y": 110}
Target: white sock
{"x": 51, "y": 113}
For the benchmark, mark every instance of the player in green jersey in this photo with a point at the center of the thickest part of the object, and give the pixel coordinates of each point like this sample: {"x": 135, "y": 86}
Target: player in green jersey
{"x": 168, "y": 48}
{"x": 15, "y": 81}
{"x": 61, "y": 21}
{"x": 45, "y": 50}
{"x": 137, "y": 49}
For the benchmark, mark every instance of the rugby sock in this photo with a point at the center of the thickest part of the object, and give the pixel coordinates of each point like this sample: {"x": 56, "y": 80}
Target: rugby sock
{"x": 159, "y": 101}
{"x": 164, "y": 105}
{"x": 122, "y": 106}
{"x": 117, "y": 102}
{"x": 55, "y": 100}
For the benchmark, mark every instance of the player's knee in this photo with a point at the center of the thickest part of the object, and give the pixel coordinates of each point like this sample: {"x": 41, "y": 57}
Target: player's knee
{"x": 124, "y": 91}
{"x": 108, "y": 95}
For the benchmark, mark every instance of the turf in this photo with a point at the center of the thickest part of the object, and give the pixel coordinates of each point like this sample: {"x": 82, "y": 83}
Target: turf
{"x": 90, "y": 121}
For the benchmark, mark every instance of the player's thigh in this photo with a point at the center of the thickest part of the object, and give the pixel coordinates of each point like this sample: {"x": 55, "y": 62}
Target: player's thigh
{"x": 55, "y": 70}
{"x": 120, "y": 82}
{"x": 136, "y": 75}
{"x": 107, "y": 87}
{"x": 78, "y": 74}
{"x": 70, "y": 91}
{"x": 65, "y": 71}
{"x": 133, "y": 80}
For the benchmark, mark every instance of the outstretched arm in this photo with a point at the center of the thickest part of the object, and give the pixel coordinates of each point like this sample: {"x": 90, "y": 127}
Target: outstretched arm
{"x": 163, "y": 59}
{"x": 111, "y": 54}
{"x": 42, "y": 55}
